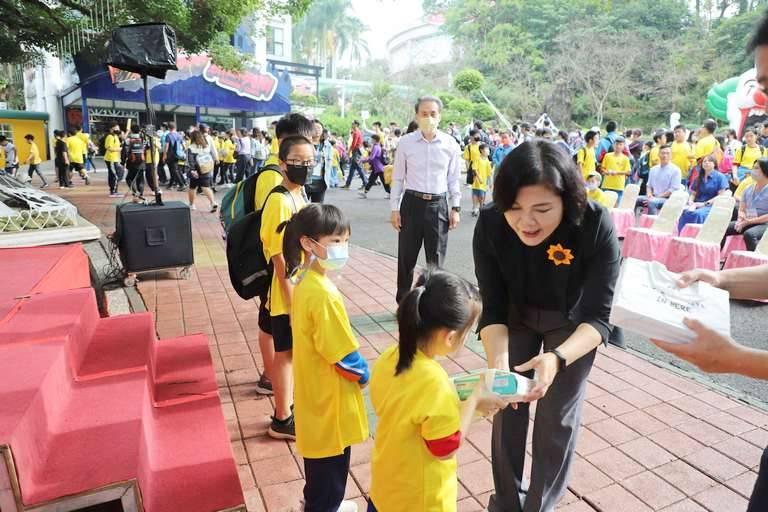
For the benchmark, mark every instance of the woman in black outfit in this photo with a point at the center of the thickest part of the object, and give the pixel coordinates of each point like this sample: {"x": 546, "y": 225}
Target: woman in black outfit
{"x": 546, "y": 260}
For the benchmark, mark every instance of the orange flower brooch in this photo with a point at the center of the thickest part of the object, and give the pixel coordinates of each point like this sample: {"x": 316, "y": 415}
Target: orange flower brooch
{"x": 558, "y": 255}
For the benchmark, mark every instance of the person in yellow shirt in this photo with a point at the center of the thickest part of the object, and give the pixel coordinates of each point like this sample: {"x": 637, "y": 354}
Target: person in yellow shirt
{"x": 480, "y": 180}
{"x": 595, "y": 193}
{"x": 297, "y": 159}
{"x": 683, "y": 155}
{"x": 77, "y": 150}
{"x": 616, "y": 168}
{"x": 585, "y": 156}
{"x": 472, "y": 155}
{"x": 659, "y": 139}
{"x": 149, "y": 160}
{"x": 422, "y": 423}
{"x": 112, "y": 148}
{"x": 328, "y": 369}
{"x": 744, "y": 159}
{"x": 84, "y": 138}
{"x": 707, "y": 143}
{"x": 34, "y": 160}
{"x": 228, "y": 160}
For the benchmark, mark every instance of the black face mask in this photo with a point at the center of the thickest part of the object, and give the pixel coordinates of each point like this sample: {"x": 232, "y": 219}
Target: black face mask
{"x": 297, "y": 173}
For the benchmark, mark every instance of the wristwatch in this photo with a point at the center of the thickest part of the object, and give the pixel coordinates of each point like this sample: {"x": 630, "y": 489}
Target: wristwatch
{"x": 561, "y": 361}
{"x": 456, "y": 209}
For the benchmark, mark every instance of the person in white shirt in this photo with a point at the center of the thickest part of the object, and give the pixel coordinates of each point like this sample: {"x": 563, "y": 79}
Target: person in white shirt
{"x": 426, "y": 194}
{"x": 243, "y": 156}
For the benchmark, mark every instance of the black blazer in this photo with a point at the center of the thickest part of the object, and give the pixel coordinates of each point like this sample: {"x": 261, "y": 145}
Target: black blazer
{"x": 584, "y": 289}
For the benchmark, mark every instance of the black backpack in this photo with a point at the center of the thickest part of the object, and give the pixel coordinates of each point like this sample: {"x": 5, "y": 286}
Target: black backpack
{"x": 249, "y": 271}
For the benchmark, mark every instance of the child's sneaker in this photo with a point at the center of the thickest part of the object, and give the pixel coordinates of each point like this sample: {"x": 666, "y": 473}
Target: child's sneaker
{"x": 264, "y": 386}
{"x": 282, "y": 429}
{"x": 348, "y": 506}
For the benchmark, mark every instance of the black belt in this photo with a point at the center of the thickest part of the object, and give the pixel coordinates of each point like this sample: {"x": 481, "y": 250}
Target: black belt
{"x": 425, "y": 197}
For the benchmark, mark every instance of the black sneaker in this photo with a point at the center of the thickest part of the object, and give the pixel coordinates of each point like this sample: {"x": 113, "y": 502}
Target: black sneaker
{"x": 264, "y": 386}
{"x": 285, "y": 429}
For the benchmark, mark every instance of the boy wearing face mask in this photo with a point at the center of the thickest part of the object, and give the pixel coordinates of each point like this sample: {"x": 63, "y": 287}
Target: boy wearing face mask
{"x": 593, "y": 190}
{"x": 297, "y": 159}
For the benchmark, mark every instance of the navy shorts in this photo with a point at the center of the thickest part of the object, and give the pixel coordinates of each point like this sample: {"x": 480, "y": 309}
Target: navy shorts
{"x": 281, "y": 333}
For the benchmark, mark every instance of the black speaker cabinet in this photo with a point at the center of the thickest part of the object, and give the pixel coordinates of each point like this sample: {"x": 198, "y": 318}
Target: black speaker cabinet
{"x": 144, "y": 48}
{"x": 153, "y": 237}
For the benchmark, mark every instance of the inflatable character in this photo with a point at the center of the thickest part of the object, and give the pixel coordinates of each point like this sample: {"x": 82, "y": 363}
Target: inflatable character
{"x": 738, "y": 100}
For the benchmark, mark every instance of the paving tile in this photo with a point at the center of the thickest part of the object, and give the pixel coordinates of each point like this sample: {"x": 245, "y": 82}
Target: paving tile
{"x": 685, "y": 477}
{"x": 703, "y": 432}
{"x": 668, "y": 414}
{"x": 276, "y": 470}
{"x": 694, "y": 407}
{"x": 720, "y": 498}
{"x": 578, "y": 506}
{"x": 743, "y": 484}
{"x": 362, "y": 476}
{"x": 641, "y": 422}
{"x": 468, "y": 453}
{"x": 264, "y": 447}
{"x": 676, "y": 442}
{"x": 246, "y": 476}
{"x": 611, "y": 405}
{"x": 729, "y": 423}
{"x": 647, "y": 453}
{"x": 758, "y": 437}
{"x": 715, "y": 464}
{"x": 751, "y": 415}
{"x": 685, "y": 506}
{"x": 253, "y": 501}
{"x": 638, "y": 398}
{"x": 588, "y": 442}
{"x": 480, "y": 437}
{"x": 284, "y": 497}
{"x": 586, "y": 478}
{"x": 361, "y": 453}
{"x": 469, "y": 505}
{"x": 591, "y": 414}
{"x": 616, "y": 497}
{"x": 254, "y": 408}
{"x": 652, "y": 490}
{"x": 613, "y": 462}
{"x": 613, "y": 432}
{"x": 352, "y": 491}
{"x": 477, "y": 477}
{"x": 741, "y": 451}
{"x": 717, "y": 400}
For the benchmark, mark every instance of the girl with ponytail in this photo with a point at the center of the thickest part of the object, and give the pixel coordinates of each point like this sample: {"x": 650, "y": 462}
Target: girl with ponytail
{"x": 421, "y": 421}
{"x": 328, "y": 369}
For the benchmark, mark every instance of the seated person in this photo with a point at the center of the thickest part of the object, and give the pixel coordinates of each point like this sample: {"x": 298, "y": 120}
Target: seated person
{"x": 753, "y": 208}
{"x": 663, "y": 179}
{"x": 709, "y": 184}
{"x": 593, "y": 190}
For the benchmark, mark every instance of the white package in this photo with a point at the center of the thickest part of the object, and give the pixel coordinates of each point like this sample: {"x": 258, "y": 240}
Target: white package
{"x": 647, "y": 301}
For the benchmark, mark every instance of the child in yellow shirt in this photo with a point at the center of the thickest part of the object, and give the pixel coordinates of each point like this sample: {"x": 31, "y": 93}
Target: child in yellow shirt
{"x": 594, "y": 192}
{"x": 421, "y": 420}
{"x": 616, "y": 168}
{"x": 34, "y": 160}
{"x": 480, "y": 180}
{"x": 328, "y": 369}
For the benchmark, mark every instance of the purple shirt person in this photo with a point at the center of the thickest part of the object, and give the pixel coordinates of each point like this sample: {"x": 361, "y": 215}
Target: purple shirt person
{"x": 376, "y": 160}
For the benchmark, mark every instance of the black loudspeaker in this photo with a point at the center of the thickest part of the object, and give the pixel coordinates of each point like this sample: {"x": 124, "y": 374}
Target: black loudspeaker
{"x": 145, "y": 48}
{"x": 152, "y": 237}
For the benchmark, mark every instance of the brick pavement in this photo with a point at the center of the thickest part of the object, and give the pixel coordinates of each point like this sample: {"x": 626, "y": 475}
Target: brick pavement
{"x": 651, "y": 439}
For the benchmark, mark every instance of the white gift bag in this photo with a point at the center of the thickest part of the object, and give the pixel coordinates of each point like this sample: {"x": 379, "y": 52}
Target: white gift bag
{"x": 647, "y": 301}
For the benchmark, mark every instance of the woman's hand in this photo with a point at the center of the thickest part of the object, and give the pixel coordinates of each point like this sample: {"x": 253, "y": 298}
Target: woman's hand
{"x": 692, "y": 276}
{"x": 546, "y": 366}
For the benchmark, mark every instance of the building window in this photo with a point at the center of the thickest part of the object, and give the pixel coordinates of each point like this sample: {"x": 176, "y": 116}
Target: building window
{"x": 275, "y": 41}
{"x": 7, "y": 130}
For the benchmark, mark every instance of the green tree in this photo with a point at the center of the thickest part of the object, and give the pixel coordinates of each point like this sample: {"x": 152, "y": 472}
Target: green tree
{"x": 469, "y": 81}
{"x": 329, "y": 32}
{"x": 30, "y": 27}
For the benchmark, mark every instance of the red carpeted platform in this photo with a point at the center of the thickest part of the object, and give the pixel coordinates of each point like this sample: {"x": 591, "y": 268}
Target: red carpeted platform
{"x": 88, "y": 402}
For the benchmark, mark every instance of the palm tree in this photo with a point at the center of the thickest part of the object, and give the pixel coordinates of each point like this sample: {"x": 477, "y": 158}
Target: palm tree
{"x": 328, "y": 32}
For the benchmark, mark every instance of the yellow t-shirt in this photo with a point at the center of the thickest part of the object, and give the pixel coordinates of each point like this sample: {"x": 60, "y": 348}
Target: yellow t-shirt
{"x": 330, "y": 412}
{"x": 682, "y": 154}
{"x": 417, "y": 405}
{"x": 274, "y": 147}
{"x": 615, "y": 163}
{"x": 266, "y": 181}
{"x": 747, "y": 156}
{"x": 472, "y": 154}
{"x": 599, "y": 197}
{"x": 112, "y": 146}
{"x": 587, "y": 161}
{"x": 278, "y": 209}
{"x": 148, "y": 156}
{"x": 653, "y": 158}
{"x": 2, "y": 158}
{"x": 83, "y": 137}
{"x": 34, "y": 152}
{"x": 706, "y": 146}
{"x": 743, "y": 186}
{"x": 228, "y": 148}
{"x": 482, "y": 173}
{"x": 76, "y": 149}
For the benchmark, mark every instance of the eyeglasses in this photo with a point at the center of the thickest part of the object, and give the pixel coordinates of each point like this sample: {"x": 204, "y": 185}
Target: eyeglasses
{"x": 300, "y": 163}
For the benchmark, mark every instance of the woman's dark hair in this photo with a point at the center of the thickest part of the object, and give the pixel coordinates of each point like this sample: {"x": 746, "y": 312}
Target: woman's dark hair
{"x": 540, "y": 162}
{"x": 700, "y": 179}
{"x": 412, "y": 127}
{"x": 440, "y": 300}
{"x": 29, "y": 136}
{"x": 314, "y": 221}
{"x": 376, "y": 137}
{"x": 289, "y": 142}
{"x": 762, "y": 163}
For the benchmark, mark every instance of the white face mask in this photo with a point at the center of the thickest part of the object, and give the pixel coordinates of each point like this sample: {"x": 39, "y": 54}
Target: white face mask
{"x": 428, "y": 124}
{"x": 591, "y": 186}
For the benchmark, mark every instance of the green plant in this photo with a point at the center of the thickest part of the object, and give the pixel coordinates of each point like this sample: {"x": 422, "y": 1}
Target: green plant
{"x": 483, "y": 112}
{"x": 469, "y": 81}
{"x": 461, "y": 106}
{"x": 335, "y": 123}
{"x": 304, "y": 99}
